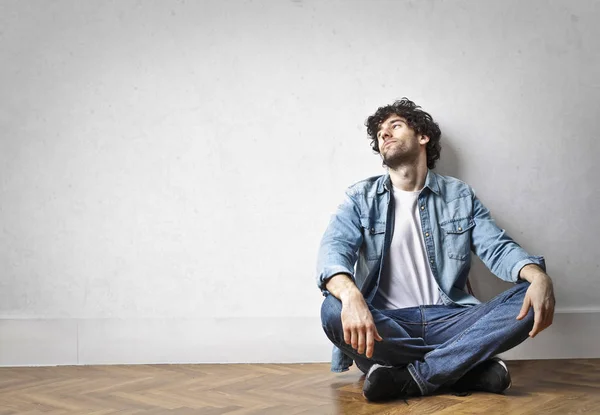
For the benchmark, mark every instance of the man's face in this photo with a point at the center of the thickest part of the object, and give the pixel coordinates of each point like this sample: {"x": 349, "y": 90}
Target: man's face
{"x": 398, "y": 143}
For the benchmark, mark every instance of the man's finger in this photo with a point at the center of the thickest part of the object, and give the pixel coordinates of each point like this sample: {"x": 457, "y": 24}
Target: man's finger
{"x": 361, "y": 340}
{"x": 544, "y": 324}
{"x": 537, "y": 323}
{"x": 377, "y": 336}
{"x": 547, "y": 318}
{"x": 354, "y": 340}
{"x": 370, "y": 344}
{"x": 524, "y": 308}
{"x": 347, "y": 335}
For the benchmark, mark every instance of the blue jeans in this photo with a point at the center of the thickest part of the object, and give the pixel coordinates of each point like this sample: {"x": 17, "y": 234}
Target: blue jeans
{"x": 437, "y": 343}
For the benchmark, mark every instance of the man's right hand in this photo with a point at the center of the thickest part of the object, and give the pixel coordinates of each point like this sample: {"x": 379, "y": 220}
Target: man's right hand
{"x": 357, "y": 321}
{"x": 359, "y": 329}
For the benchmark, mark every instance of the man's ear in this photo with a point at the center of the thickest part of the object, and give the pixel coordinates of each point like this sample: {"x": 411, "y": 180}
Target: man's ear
{"x": 423, "y": 139}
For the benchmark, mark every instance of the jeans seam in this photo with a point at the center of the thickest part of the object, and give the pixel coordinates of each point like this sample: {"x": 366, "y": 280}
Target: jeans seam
{"x": 417, "y": 378}
{"x": 441, "y": 321}
{"x": 423, "y": 324}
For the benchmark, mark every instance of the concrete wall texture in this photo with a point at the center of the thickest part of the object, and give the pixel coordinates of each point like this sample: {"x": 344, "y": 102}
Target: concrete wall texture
{"x": 167, "y": 168}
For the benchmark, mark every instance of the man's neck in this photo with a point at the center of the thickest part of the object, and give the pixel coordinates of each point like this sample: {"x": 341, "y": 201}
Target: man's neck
{"x": 409, "y": 178}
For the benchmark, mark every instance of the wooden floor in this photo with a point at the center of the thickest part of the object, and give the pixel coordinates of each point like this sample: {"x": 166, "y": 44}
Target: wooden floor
{"x": 539, "y": 387}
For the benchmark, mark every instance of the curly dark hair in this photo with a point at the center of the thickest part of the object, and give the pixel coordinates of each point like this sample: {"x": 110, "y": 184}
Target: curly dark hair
{"x": 417, "y": 119}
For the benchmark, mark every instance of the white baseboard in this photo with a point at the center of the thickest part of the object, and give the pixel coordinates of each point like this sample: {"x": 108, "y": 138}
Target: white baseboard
{"x": 572, "y": 335}
{"x": 50, "y": 342}
{"x": 28, "y": 342}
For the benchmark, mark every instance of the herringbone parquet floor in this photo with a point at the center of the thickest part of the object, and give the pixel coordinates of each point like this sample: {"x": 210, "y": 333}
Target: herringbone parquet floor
{"x": 539, "y": 387}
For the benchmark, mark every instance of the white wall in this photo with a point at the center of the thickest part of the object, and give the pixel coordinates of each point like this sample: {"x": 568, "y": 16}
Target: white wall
{"x": 167, "y": 168}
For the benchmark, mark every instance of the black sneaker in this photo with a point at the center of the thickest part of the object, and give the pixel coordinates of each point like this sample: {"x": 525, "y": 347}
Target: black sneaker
{"x": 389, "y": 382}
{"x": 489, "y": 376}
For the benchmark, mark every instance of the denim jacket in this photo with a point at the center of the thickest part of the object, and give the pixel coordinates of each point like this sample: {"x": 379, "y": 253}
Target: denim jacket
{"x": 454, "y": 223}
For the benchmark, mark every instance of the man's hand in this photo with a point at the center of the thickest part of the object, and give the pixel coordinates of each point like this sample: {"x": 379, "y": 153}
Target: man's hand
{"x": 540, "y": 296}
{"x": 359, "y": 328}
{"x": 357, "y": 321}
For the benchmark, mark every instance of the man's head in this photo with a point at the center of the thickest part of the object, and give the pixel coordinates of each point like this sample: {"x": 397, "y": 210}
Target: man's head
{"x": 399, "y": 132}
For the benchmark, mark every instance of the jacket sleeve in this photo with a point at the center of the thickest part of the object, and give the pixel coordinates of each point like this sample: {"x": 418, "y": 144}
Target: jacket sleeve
{"x": 498, "y": 251}
{"x": 338, "y": 250}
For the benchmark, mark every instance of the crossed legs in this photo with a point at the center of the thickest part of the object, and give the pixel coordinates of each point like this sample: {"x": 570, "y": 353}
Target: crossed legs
{"x": 438, "y": 344}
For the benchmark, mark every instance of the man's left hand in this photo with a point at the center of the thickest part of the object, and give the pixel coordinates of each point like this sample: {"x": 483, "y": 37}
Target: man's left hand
{"x": 540, "y": 296}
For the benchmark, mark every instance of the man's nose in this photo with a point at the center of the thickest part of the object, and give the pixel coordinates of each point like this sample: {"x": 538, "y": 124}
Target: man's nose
{"x": 385, "y": 133}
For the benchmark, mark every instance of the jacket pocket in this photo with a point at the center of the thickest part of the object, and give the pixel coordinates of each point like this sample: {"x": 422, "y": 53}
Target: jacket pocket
{"x": 457, "y": 237}
{"x": 373, "y": 238}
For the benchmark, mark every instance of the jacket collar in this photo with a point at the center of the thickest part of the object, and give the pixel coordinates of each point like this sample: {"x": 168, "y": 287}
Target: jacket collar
{"x": 431, "y": 182}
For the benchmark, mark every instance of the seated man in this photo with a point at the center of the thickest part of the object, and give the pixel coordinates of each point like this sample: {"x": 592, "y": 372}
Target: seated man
{"x": 393, "y": 265}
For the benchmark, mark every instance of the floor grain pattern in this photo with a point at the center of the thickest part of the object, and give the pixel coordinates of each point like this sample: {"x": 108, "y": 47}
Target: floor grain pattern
{"x": 539, "y": 387}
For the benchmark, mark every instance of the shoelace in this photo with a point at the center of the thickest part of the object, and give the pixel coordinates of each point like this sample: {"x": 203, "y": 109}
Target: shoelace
{"x": 404, "y": 391}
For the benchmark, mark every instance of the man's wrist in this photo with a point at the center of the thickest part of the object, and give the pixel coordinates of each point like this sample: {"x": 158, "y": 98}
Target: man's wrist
{"x": 342, "y": 286}
{"x": 349, "y": 294}
{"x": 532, "y": 271}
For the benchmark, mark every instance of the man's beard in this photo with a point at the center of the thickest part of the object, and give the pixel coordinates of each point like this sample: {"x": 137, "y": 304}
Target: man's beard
{"x": 400, "y": 156}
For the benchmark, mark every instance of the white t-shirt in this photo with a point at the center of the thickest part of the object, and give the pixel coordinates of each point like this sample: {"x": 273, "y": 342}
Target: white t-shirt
{"x": 406, "y": 280}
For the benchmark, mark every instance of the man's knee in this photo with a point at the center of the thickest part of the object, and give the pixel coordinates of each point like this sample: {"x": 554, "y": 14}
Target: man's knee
{"x": 514, "y": 295}
{"x": 526, "y": 323}
{"x": 331, "y": 316}
{"x": 519, "y": 289}
{"x": 517, "y": 296}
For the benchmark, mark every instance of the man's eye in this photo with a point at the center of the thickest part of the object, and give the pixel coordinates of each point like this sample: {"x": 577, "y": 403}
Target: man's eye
{"x": 397, "y": 125}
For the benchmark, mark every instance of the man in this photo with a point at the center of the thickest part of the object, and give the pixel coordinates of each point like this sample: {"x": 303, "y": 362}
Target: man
{"x": 393, "y": 265}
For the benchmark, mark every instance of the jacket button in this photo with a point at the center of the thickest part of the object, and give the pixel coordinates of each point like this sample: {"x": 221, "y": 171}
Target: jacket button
{"x": 459, "y": 228}
{"x": 422, "y": 207}
{"x": 372, "y": 230}
{"x": 427, "y": 234}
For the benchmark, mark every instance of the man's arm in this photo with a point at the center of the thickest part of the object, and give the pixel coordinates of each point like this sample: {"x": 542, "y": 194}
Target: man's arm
{"x": 338, "y": 250}
{"x": 498, "y": 251}
{"x": 338, "y": 253}
{"x": 507, "y": 260}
